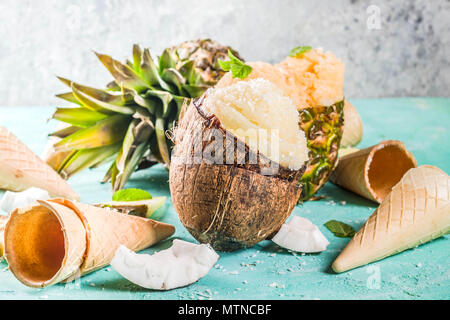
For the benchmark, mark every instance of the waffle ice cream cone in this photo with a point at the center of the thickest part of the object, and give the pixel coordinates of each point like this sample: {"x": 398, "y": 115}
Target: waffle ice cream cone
{"x": 59, "y": 239}
{"x": 372, "y": 172}
{"x": 21, "y": 169}
{"x": 416, "y": 211}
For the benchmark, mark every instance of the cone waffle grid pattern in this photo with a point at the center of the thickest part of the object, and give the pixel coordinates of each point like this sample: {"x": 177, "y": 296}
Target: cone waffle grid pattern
{"x": 28, "y": 169}
{"x": 418, "y": 193}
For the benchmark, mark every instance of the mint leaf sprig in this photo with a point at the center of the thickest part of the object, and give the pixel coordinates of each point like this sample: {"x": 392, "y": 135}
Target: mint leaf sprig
{"x": 340, "y": 229}
{"x": 238, "y": 68}
{"x": 299, "y": 50}
{"x": 132, "y": 194}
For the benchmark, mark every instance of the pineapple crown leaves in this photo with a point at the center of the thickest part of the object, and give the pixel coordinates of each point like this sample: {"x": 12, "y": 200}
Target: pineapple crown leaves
{"x": 238, "y": 68}
{"x": 129, "y": 118}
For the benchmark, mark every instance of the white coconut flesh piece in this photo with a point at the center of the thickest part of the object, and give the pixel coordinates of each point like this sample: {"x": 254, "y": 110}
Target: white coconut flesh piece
{"x": 13, "y": 200}
{"x": 301, "y": 235}
{"x": 182, "y": 264}
{"x": 260, "y": 114}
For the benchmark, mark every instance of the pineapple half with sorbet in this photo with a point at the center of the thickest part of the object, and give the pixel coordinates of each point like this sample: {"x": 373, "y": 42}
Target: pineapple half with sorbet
{"x": 314, "y": 81}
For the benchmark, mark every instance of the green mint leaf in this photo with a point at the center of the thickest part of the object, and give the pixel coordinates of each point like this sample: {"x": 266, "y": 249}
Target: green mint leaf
{"x": 240, "y": 71}
{"x": 233, "y": 58}
{"x": 131, "y": 195}
{"x": 340, "y": 229}
{"x": 225, "y": 65}
{"x": 238, "y": 68}
{"x": 299, "y": 50}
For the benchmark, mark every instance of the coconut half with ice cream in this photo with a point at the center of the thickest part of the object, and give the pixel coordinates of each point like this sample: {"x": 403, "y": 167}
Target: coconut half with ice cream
{"x": 239, "y": 154}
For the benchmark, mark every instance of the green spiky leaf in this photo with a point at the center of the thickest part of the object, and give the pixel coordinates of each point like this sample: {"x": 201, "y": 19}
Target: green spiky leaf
{"x": 87, "y": 158}
{"x": 69, "y": 96}
{"x": 166, "y": 61}
{"x": 79, "y": 117}
{"x": 119, "y": 178}
{"x": 165, "y": 98}
{"x": 64, "y": 132}
{"x": 137, "y": 55}
{"x": 123, "y": 74}
{"x": 173, "y": 77}
{"x": 195, "y": 91}
{"x": 102, "y": 106}
{"x": 104, "y": 132}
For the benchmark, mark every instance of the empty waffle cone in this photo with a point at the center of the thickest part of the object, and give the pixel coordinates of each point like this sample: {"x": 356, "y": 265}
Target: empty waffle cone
{"x": 21, "y": 169}
{"x": 372, "y": 172}
{"x": 416, "y": 211}
{"x": 58, "y": 240}
{"x": 44, "y": 244}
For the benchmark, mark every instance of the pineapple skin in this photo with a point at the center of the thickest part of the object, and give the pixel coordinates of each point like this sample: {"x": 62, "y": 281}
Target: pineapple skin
{"x": 323, "y": 128}
{"x": 206, "y": 54}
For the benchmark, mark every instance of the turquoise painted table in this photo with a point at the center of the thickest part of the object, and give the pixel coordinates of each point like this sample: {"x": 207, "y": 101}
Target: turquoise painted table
{"x": 266, "y": 271}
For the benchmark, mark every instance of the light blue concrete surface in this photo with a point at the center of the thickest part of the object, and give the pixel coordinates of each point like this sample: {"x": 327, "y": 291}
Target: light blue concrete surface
{"x": 267, "y": 271}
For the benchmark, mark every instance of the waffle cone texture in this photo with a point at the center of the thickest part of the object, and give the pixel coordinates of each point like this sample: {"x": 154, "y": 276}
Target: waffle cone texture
{"x": 417, "y": 210}
{"x": 59, "y": 240}
{"x": 372, "y": 172}
{"x": 21, "y": 169}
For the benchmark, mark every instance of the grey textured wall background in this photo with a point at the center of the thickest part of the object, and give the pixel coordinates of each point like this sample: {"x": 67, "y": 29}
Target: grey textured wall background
{"x": 408, "y": 56}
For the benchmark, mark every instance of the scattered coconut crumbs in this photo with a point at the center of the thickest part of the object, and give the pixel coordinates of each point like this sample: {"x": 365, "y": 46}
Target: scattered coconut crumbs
{"x": 276, "y": 285}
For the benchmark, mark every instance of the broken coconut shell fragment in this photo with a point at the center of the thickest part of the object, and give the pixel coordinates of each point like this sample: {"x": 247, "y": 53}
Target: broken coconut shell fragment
{"x": 372, "y": 172}
{"x": 229, "y": 205}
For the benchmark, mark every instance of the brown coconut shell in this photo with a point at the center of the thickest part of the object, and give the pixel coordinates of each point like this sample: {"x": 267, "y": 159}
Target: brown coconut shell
{"x": 228, "y": 204}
